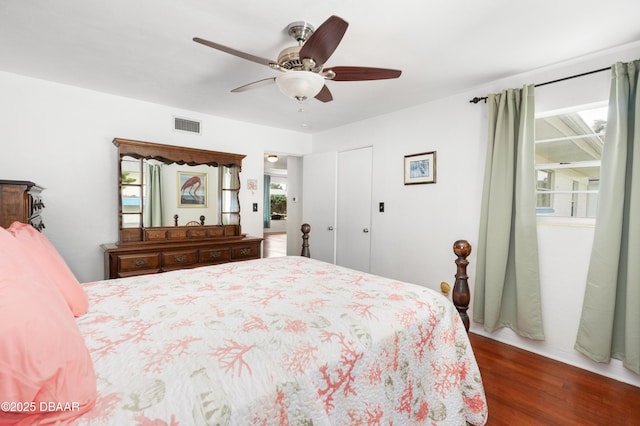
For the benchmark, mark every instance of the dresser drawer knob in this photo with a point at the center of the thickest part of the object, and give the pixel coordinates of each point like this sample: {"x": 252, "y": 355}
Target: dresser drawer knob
{"x": 245, "y": 251}
{"x": 180, "y": 258}
{"x": 214, "y": 254}
{"x": 140, "y": 262}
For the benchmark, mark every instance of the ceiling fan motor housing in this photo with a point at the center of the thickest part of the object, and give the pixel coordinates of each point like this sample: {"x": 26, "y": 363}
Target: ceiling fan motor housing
{"x": 289, "y": 59}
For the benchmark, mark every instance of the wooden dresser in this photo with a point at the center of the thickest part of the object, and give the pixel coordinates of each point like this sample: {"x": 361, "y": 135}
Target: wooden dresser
{"x": 20, "y": 201}
{"x": 146, "y": 246}
{"x": 126, "y": 260}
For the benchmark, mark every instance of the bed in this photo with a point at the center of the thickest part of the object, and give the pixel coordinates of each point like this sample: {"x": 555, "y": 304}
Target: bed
{"x": 286, "y": 340}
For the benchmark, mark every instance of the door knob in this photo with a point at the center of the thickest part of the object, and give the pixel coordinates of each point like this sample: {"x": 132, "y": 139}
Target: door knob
{"x": 330, "y": 228}
{"x": 365, "y": 230}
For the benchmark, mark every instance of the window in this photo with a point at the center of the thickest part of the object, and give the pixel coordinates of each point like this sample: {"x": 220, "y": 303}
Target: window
{"x": 278, "y": 200}
{"x": 543, "y": 188}
{"x": 568, "y": 151}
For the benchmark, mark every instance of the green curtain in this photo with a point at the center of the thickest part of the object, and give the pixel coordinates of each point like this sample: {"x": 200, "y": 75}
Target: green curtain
{"x": 153, "y": 206}
{"x": 610, "y": 322}
{"x": 507, "y": 288}
{"x": 266, "y": 215}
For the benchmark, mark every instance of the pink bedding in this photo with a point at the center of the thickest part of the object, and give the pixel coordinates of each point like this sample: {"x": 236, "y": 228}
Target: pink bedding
{"x": 277, "y": 341}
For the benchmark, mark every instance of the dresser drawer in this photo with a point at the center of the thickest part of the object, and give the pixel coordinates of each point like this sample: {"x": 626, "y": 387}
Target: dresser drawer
{"x": 245, "y": 252}
{"x": 151, "y": 257}
{"x": 177, "y": 259}
{"x": 138, "y": 262}
{"x": 213, "y": 255}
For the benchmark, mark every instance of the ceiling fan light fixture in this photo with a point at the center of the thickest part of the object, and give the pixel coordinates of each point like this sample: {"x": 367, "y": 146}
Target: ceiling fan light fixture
{"x": 300, "y": 85}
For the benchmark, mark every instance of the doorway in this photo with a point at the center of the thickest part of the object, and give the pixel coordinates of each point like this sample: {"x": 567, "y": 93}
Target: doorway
{"x": 275, "y": 206}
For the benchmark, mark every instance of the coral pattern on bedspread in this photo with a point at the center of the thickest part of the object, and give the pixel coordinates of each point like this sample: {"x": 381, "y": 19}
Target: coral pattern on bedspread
{"x": 278, "y": 341}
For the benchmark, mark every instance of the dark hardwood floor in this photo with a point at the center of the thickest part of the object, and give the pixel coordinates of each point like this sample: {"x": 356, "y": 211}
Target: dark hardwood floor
{"x": 523, "y": 388}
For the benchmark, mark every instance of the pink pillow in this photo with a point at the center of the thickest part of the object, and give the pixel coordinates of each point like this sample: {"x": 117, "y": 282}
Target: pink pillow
{"x": 43, "y": 357}
{"x": 46, "y": 258}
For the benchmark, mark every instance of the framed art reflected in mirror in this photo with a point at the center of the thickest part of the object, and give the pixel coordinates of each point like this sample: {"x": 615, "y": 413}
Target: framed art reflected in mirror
{"x": 192, "y": 189}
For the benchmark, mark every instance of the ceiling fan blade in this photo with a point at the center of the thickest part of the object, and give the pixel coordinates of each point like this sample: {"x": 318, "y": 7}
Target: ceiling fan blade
{"x": 234, "y": 52}
{"x": 362, "y": 73}
{"x": 324, "y": 41}
{"x": 324, "y": 95}
{"x": 255, "y": 85}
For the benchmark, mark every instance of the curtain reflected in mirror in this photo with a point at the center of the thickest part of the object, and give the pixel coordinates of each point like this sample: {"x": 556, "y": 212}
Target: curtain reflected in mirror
{"x": 153, "y": 211}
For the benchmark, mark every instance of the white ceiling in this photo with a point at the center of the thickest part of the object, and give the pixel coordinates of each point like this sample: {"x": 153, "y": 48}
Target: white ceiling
{"x": 143, "y": 49}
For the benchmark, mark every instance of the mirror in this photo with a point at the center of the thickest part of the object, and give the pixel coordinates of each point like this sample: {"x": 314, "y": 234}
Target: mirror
{"x": 169, "y": 192}
{"x": 169, "y": 186}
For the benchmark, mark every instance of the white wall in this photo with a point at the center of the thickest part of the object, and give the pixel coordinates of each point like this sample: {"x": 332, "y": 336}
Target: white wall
{"x": 294, "y": 206}
{"x": 412, "y": 240}
{"x": 420, "y": 221}
{"x": 60, "y": 137}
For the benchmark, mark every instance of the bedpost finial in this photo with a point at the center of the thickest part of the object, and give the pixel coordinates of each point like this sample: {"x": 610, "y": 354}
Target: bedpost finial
{"x": 305, "y": 228}
{"x": 461, "y": 294}
{"x": 462, "y": 248}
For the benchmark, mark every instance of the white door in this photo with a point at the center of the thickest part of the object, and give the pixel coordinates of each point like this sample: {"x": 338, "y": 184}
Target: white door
{"x": 353, "y": 224}
{"x": 319, "y": 203}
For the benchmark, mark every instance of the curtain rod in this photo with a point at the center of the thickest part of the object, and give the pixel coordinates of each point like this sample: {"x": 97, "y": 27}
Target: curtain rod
{"x": 484, "y": 98}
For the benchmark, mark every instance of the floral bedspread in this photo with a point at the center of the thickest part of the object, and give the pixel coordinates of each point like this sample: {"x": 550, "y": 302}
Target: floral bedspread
{"x": 278, "y": 341}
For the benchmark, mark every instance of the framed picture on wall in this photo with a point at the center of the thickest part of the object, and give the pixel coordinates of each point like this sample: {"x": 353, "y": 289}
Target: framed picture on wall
{"x": 252, "y": 184}
{"x": 192, "y": 189}
{"x": 420, "y": 168}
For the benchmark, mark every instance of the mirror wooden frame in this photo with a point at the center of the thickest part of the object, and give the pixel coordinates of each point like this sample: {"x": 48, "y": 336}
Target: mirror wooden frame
{"x": 150, "y": 250}
{"x": 169, "y": 154}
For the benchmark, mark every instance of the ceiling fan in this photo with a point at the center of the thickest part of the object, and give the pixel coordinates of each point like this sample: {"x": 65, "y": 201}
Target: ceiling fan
{"x": 302, "y": 65}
